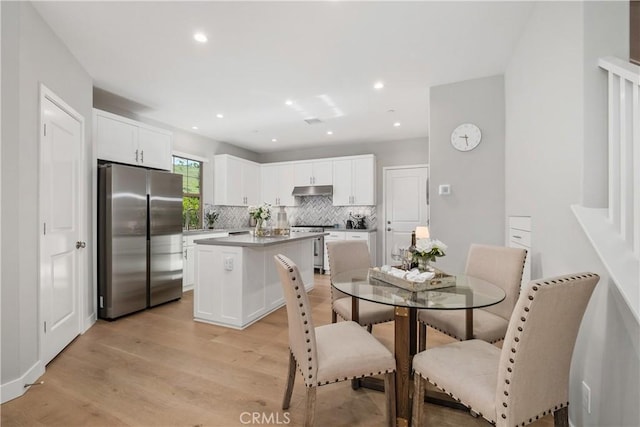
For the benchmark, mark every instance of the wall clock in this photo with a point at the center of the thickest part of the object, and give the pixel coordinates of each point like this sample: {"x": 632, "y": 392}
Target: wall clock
{"x": 466, "y": 137}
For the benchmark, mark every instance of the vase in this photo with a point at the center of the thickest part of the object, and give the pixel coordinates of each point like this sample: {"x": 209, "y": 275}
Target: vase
{"x": 423, "y": 264}
{"x": 259, "y": 230}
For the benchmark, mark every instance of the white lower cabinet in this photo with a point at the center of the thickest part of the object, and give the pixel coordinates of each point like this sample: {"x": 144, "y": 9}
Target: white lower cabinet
{"x": 519, "y": 236}
{"x": 368, "y": 236}
{"x": 188, "y": 256}
{"x": 237, "y": 286}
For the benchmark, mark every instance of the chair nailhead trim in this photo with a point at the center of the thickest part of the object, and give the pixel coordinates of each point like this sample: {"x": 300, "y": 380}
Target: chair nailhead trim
{"x": 520, "y": 329}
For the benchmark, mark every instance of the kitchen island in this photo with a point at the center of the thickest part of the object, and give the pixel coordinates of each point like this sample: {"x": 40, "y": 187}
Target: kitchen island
{"x": 236, "y": 281}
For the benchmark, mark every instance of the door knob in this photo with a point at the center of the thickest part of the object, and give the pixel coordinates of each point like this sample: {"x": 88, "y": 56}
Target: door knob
{"x": 80, "y": 245}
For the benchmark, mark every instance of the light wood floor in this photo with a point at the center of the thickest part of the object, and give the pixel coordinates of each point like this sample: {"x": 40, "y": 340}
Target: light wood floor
{"x": 160, "y": 368}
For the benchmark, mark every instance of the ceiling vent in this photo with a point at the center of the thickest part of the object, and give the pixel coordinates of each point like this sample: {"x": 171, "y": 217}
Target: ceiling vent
{"x": 313, "y": 121}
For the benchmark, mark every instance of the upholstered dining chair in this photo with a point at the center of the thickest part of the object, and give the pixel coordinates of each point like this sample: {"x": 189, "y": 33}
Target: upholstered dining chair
{"x": 329, "y": 353}
{"x": 499, "y": 265}
{"x": 529, "y": 377}
{"x": 347, "y": 255}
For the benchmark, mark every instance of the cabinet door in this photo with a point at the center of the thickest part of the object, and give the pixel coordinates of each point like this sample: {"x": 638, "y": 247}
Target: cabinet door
{"x": 233, "y": 182}
{"x": 154, "y": 148}
{"x": 342, "y": 172}
{"x": 302, "y": 174}
{"x": 363, "y": 182}
{"x": 285, "y": 185}
{"x": 188, "y": 275}
{"x": 323, "y": 173}
{"x": 270, "y": 183}
{"x": 251, "y": 183}
{"x": 116, "y": 140}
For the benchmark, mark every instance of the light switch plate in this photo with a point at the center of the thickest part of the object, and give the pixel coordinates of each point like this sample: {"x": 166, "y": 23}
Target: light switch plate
{"x": 228, "y": 264}
{"x": 444, "y": 190}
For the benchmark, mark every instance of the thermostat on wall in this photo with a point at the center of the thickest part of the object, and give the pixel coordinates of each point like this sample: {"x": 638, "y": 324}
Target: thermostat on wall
{"x": 444, "y": 190}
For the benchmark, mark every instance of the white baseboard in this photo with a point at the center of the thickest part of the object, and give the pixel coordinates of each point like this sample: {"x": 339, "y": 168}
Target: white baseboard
{"x": 88, "y": 322}
{"x": 16, "y": 388}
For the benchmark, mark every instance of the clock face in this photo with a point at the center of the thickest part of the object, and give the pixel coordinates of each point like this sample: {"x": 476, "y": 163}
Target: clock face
{"x": 466, "y": 137}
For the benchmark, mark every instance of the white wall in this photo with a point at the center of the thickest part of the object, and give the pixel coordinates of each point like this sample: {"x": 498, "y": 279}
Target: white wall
{"x": 554, "y": 140}
{"x": 474, "y": 212}
{"x": 391, "y": 153}
{"x": 31, "y": 54}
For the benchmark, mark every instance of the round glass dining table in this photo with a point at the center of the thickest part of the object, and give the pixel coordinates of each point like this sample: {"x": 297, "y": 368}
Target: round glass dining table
{"x": 466, "y": 294}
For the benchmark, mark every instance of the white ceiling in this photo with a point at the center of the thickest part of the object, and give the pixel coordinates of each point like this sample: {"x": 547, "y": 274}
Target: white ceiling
{"x": 325, "y": 56}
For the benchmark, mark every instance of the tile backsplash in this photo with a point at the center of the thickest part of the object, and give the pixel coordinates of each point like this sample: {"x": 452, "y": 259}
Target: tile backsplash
{"x": 313, "y": 210}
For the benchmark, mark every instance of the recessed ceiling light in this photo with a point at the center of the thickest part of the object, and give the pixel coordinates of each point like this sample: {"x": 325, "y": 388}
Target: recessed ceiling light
{"x": 329, "y": 132}
{"x": 194, "y": 127}
{"x": 200, "y": 37}
{"x": 274, "y": 140}
{"x": 378, "y": 85}
{"x": 288, "y": 102}
{"x": 396, "y": 124}
{"x": 220, "y": 116}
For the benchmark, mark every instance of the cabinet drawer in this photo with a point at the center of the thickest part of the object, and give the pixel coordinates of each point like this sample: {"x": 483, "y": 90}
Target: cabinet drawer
{"x": 358, "y": 236}
{"x": 335, "y": 235}
{"x": 520, "y": 237}
{"x": 520, "y": 222}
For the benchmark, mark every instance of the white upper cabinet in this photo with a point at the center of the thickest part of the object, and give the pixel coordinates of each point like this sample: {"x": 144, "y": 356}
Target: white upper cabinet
{"x": 123, "y": 140}
{"x": 313, "y": 173}
{"x": 354, "y": 181}
{"x": 155, "y": 148}
{"x": 277, "y": 184}
{"x": 236, "y": 181}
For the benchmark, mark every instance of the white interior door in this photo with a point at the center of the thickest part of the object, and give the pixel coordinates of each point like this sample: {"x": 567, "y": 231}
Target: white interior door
{"x": 61, "y": 249}
{"x": 405, "y": 206}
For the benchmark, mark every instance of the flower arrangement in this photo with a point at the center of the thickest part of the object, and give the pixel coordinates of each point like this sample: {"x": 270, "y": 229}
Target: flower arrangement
{"x": 429, "y": 249}
{"x": 211, "y": 216}
{"x": 260, "y": 213}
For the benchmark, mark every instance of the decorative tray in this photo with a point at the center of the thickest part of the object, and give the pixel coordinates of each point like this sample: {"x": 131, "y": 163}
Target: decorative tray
{"x": 441, "y": 280}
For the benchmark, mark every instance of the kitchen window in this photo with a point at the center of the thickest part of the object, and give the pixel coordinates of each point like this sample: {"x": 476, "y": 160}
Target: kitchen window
{"x": 191, "y": 171}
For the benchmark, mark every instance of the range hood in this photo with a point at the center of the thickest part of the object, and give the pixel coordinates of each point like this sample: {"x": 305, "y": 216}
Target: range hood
{"x": 313, "y": 190}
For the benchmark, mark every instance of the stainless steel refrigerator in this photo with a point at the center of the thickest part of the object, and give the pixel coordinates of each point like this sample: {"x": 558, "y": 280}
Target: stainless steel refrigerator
{"x": 139, "y": 239}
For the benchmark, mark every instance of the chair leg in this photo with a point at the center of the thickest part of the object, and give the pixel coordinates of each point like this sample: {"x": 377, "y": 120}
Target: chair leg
{"x": 369, "y": 328}
{"x": 390, "y": 397}
{"x": 561, "y": 417}
{"x": 422, "y": 337}
{"x": 310, "y": 412}
{"x": 418, "y": 399}
{"x": 291, "y": 378}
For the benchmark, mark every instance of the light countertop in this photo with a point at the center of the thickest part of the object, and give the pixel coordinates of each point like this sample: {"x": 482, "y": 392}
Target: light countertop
{"x": 350, "y": 230}
{"x": 216, "y": 230}
{"x": 248, "y": 240}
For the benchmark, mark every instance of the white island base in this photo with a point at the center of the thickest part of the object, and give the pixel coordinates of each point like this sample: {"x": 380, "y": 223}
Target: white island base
{"x": 237, "y": 282}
